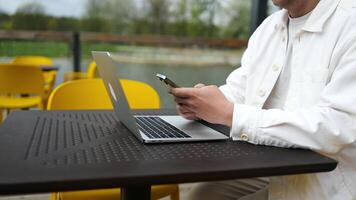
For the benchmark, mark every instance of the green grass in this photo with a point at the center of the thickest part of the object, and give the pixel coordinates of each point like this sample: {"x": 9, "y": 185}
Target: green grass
{"x": 50, "y": 49}
{"x": 87, "y": 48}
{"x": 17, "y": 48}
{"x": 63, "y": 49}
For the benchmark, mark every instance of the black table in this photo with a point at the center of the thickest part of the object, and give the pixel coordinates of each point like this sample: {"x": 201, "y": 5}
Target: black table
{"x": 47, "y": 151}
{"x": 47, "y": 68}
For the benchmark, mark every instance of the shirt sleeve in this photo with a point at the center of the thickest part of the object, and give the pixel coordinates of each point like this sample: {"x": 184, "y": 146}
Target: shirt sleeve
{"x": 327, "y": 127}
{"x": 234, "y": 89}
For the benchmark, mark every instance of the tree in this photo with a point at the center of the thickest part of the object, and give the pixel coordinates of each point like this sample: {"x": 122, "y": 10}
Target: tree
{"x": 34, "y": 8}
{"x": 30, "y": 16}
{"x": 181, "y": 18}
{"x": 108, "y": 15}
{"x": 191, "y": 18}
{"x": 68, "y": 24}
{"x": 120, "y": 14}
{"x": 200, "y": 18}
{"x": 93, "y": 19}
{"x": 5, "y": 21}
{"x": 94, "y": 8}
{"x": 158, "y": 14}
{"x": 239, "y": 23}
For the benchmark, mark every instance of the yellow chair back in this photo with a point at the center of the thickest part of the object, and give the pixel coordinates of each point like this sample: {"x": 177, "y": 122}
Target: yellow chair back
{"x": 92, "y": 71}
{"x": 91, "y": 94}
{"x": 21, "y": 79}
{"x": 49, "y": 76}
{"x": 33, "y": 60}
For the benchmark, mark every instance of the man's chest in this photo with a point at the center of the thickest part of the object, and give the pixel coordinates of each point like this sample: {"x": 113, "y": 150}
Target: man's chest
{"x": 309, "y": 63}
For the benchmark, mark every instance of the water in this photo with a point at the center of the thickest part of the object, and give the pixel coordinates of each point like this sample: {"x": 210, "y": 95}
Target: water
{"x": 183, "y": 75}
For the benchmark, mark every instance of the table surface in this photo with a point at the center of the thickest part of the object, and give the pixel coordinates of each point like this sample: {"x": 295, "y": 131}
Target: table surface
{"x": 46, "y": 151}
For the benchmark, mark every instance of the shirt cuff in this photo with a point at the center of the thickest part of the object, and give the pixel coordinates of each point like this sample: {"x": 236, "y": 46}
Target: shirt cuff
{"x": 244, "y": 123}
{"x": 227, "y": 93}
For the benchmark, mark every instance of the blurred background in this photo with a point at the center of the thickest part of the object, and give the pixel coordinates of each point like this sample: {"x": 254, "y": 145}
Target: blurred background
{"x": 191, "y": 41}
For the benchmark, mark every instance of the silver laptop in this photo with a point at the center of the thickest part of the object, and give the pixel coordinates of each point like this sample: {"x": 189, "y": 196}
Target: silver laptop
{"x": 149, "y": 128}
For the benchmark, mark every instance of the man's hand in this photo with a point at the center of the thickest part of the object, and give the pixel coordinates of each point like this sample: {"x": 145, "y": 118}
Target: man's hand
{"x": 203, "y": 102}
{"x": 184, "y": 111}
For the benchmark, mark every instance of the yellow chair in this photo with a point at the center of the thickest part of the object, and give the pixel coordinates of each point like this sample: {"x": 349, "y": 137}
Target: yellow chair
{"x": 91, "y": 94}
{"x": 17, "y": 81}
{"x": 1, "y": 113}
{"x": 49, "y": 76}
{"x": 91, "y": 73}
{"x": 33, "y": 60}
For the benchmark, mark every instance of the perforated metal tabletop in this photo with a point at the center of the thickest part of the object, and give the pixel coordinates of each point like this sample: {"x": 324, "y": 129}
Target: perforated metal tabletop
{"x": 46, "y": 151}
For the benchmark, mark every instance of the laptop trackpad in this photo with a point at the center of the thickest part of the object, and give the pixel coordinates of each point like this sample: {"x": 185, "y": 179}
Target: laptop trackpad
{"x": 193, "y": 128}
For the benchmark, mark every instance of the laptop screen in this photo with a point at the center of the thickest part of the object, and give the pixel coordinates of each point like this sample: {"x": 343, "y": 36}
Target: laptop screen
{"x": 113, "y": 86}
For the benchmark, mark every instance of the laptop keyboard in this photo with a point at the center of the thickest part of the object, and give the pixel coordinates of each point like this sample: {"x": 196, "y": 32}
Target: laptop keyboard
{"x": 155, "y": 127}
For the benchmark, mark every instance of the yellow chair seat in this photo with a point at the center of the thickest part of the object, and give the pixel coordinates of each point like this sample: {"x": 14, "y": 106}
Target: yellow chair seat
{"x": 158, "y": 192}
{"x": 20, "y": 102}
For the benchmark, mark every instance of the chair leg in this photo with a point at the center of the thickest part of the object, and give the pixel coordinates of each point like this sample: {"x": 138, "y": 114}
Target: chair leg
{"x": 55, "y": 196}
{"x": 175, "y": 195}
{"x": 1, "y": 115}
{"x": 41, "y": 105}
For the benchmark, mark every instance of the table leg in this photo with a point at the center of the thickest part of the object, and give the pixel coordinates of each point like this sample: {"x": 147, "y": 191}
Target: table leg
{"x": 134, "y": 193}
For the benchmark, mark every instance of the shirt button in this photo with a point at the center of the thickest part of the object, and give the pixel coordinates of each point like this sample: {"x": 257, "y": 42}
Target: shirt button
{"x": 261, "y": 93}
{"x": 244, "y": 137}
{"x": 275, "y": 68}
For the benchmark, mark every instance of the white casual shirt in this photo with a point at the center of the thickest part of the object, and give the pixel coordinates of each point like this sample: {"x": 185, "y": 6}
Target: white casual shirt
{"x": 319, "y": 111}
{"x": 280, "y": 91}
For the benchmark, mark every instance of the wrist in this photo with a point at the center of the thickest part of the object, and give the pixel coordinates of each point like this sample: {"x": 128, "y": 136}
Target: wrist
{"x": 228, "y": 114}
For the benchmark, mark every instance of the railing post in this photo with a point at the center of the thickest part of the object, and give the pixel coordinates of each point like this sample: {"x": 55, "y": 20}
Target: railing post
{"x": 258, "y": 13}
{"x": 76, "y": 51}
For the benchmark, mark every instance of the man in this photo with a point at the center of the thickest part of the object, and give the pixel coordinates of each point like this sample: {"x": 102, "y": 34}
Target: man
{"x": 296, "y": 87}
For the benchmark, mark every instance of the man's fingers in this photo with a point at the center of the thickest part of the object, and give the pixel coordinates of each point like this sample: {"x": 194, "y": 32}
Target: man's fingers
{"x": 184, "y": 109}
{"x": 186, "y": 113}
{"x": 182, "y": 92}
{"x": 181, "y": 101}
{"x": 169, "y": 88}
{"x": 199, "y": 85}
{"x": 186, "y": 103}
{"x": 190, "y": 116}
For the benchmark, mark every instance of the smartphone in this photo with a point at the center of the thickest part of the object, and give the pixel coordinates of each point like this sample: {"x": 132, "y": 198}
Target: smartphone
{"x": 166, "y": 80}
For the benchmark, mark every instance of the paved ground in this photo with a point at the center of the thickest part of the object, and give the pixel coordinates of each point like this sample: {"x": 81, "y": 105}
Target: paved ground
{"x": 184, "y": 189}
